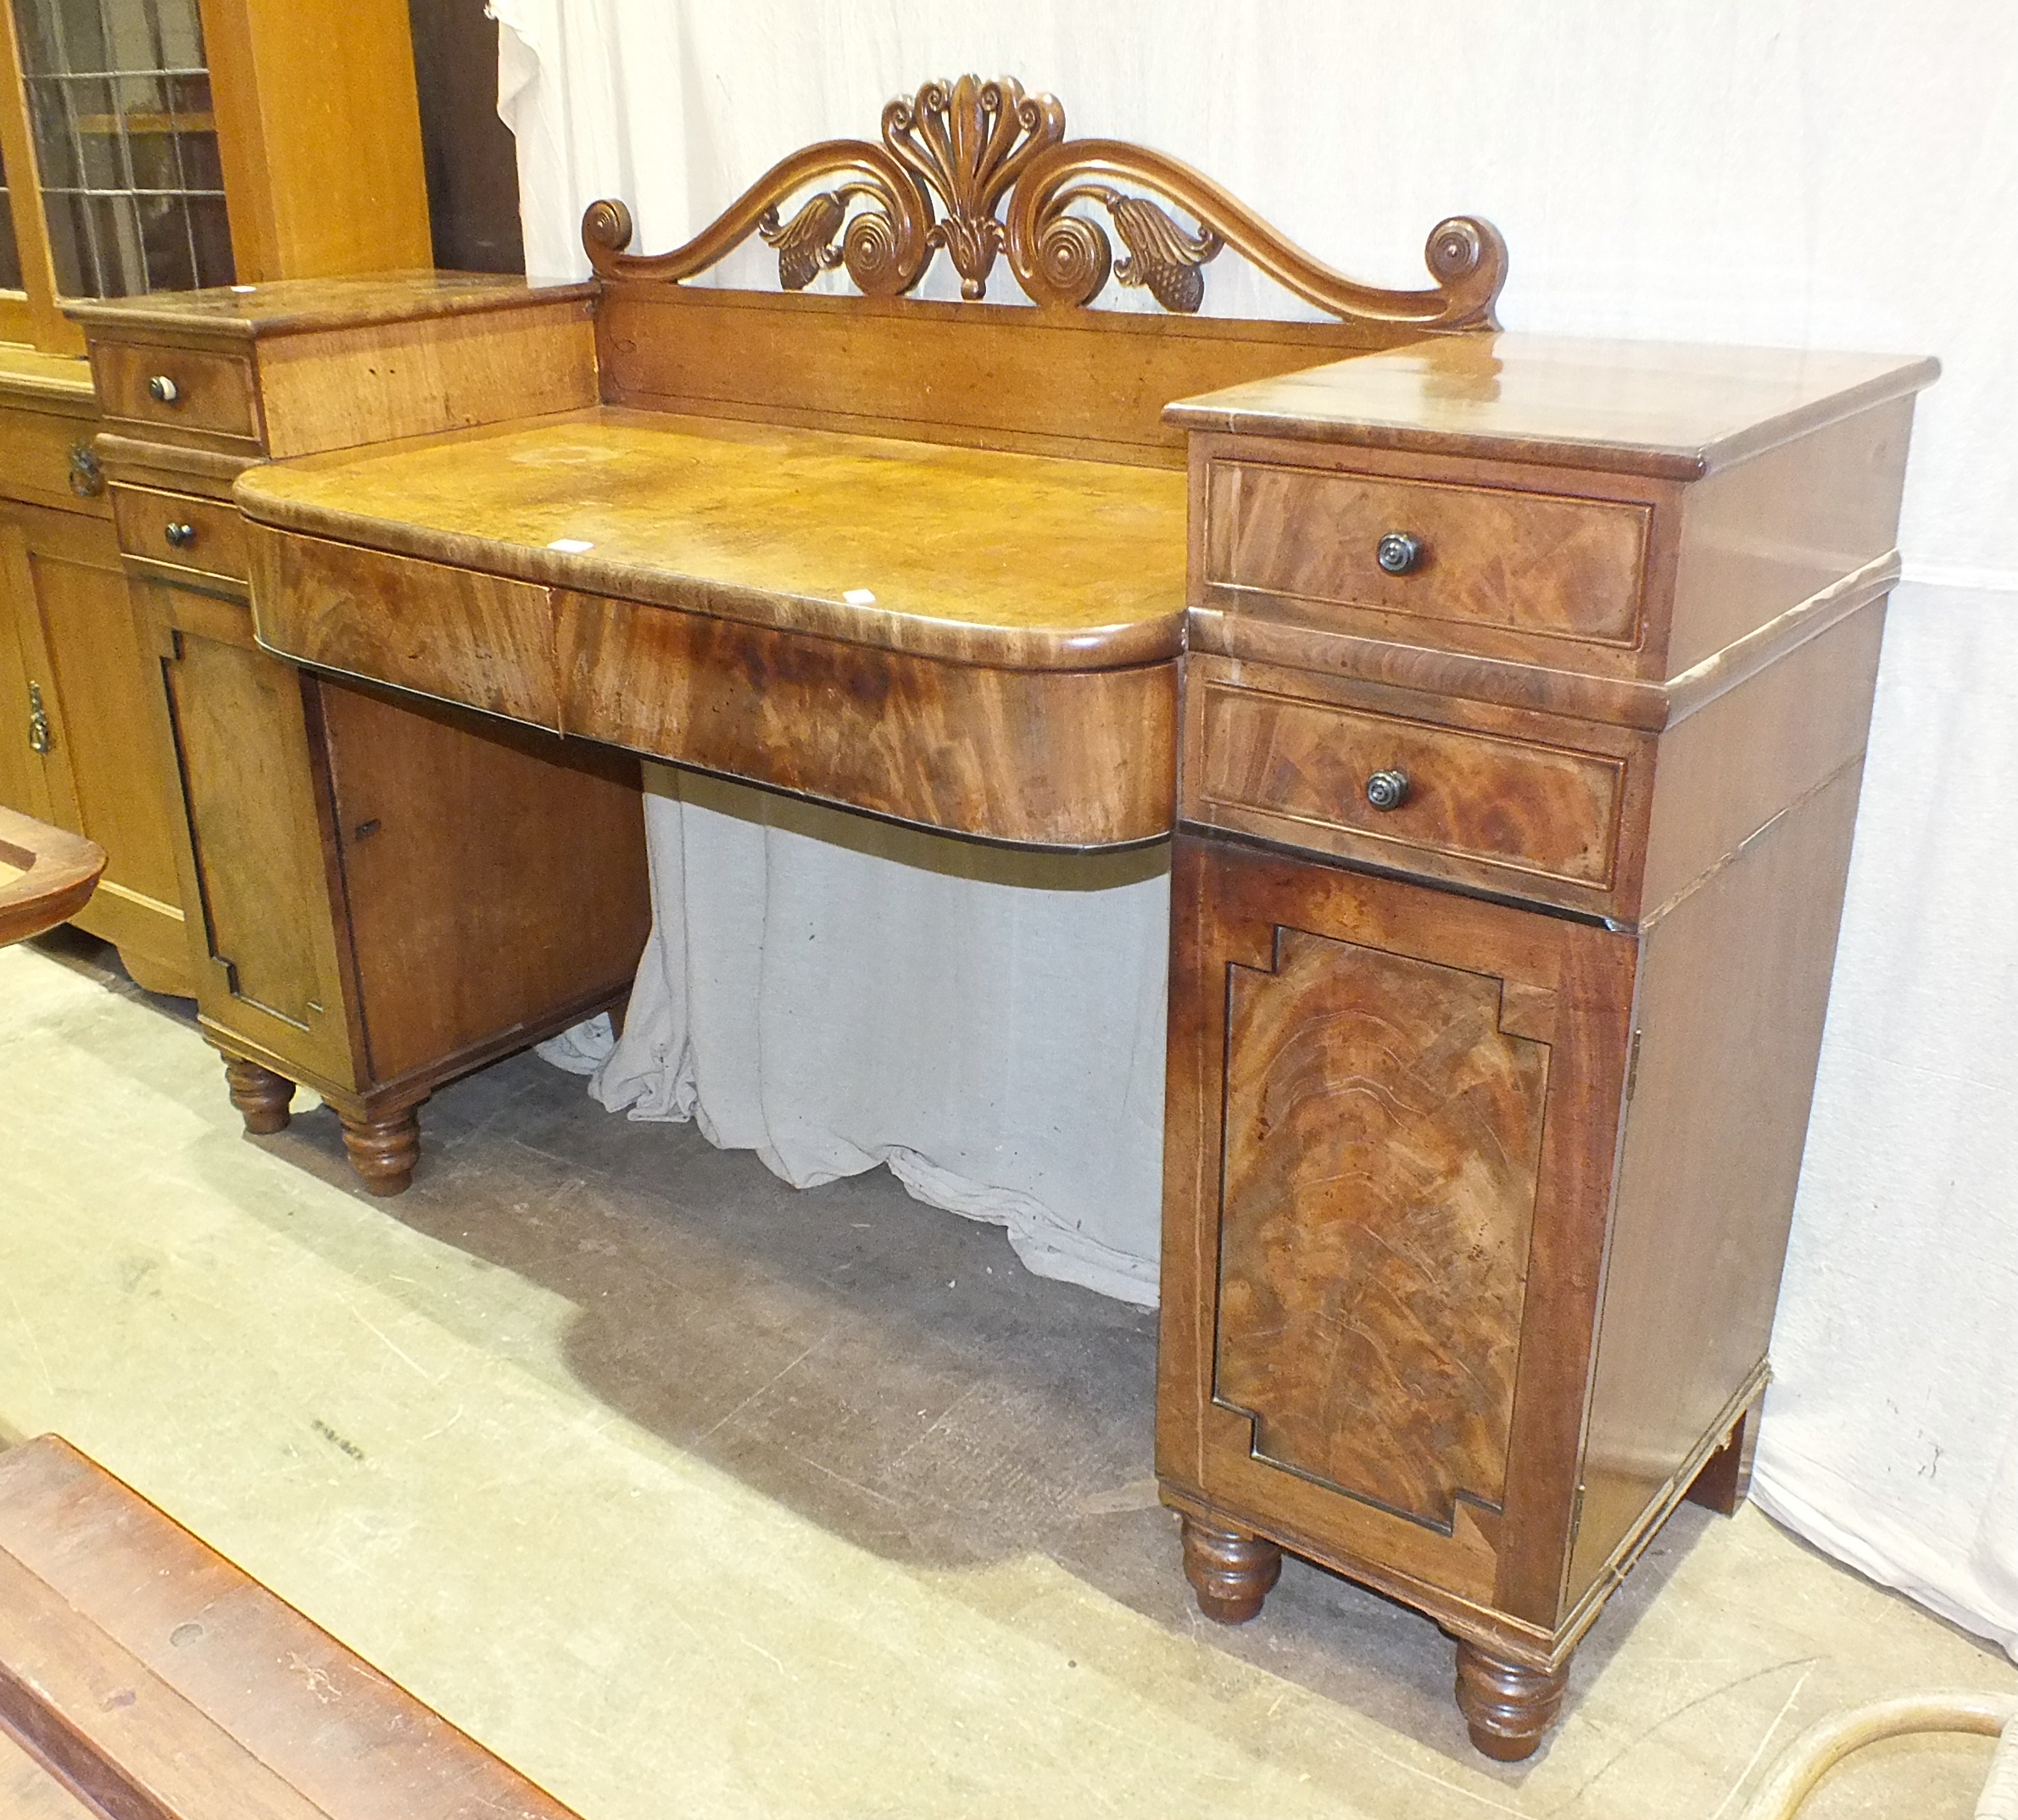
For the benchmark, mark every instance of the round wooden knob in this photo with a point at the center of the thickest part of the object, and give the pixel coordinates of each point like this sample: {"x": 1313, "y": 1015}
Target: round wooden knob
{"x": 162, "y": 390}
{"x": 1397, "y": 553}
{"x": 1387, "y": 789}
{"x": 179, "y": 537}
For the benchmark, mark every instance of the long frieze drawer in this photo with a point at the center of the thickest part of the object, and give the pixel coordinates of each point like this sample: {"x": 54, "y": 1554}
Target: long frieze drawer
{"x": 1478, "y": 805}
{"x": 177, "y": 388}
{"x": 1465, "y": 556}
{"x": 478, "y": 640}
{"x": 1037, "y": 758}
{"x": 178, "y": 531}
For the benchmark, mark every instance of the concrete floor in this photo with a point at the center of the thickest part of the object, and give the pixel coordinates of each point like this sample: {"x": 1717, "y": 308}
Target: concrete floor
{"x": 688, "y": 1494}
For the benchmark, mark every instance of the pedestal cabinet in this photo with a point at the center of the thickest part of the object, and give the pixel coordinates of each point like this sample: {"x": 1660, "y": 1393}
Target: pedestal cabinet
{"x": 1524, "y": 720}
{"x": 385, "y": 894}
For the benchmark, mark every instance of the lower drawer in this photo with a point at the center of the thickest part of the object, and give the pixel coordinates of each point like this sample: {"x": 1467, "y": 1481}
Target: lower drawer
{"x": 1487, "y": 797}
{"x": 180, "y": 531}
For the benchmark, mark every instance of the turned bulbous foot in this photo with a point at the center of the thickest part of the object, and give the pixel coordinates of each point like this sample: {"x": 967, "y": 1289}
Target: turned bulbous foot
{"x": 261, "y": 1096}
{"x": 1230, "y": 1571}
{"x": 1507, "y": 1706}
{"x": 384, "y": 1151}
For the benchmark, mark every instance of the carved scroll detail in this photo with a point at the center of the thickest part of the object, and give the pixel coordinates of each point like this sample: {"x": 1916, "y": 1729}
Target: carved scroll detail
{"x": 965, "y": 146}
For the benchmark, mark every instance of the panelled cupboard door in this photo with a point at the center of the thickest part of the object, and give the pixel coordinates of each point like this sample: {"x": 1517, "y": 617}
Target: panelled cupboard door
{"x": 268, "y": 958}
{"x": 1394, "y": 1110}
{"x": 80, "y": 696}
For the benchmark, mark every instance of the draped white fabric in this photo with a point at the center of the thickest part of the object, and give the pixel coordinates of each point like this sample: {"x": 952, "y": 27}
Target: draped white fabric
{"x": 1825, "y": 173}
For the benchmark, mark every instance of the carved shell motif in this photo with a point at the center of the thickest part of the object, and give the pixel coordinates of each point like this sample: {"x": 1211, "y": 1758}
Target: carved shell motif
{"x": 964, "y": 147}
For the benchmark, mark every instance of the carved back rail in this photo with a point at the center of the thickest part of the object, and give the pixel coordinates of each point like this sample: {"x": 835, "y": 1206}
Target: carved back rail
{"x": 981, "y": 171}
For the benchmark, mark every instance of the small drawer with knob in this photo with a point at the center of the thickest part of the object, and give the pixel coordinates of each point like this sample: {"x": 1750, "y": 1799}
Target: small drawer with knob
{"x": 1498, "y": 570}
{"x": 177, "y": 389}
{"x": 1506, "y": 803}
{"x": 178, "y": 531}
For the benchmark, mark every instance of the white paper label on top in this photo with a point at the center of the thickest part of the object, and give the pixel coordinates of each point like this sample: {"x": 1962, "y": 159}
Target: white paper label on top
{"x": 570, "y": 546}
{"x": 859, "y": 596}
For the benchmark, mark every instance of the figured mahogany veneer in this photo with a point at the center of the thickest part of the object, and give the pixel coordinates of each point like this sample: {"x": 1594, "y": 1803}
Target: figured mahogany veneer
{"x": 1475, "y": 1205}
{"x": 1509, "y": 696}
{"x": 1011, "y": 674}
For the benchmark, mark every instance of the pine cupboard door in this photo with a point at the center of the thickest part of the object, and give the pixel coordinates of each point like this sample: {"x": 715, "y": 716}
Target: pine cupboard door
{"x": 1393, "y": 1116}
{"x": 80, "y": 711}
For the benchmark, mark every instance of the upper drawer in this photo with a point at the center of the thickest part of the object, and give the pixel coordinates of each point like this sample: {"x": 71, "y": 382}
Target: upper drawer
{"x": 1473, "y": 556}
{"x": 177, "y": 388}
{"x": 1508, "y": 806}
{"x": 206, "y": 536}
{"x": 47, "y": 458}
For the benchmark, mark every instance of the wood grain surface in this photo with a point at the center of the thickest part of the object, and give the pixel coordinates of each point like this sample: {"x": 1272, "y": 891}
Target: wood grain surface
{"x": 1527, "y": 561}
{"x": 1480, "y": 805}
{"x": 294, "y": 306}
{"x": 1042, "y": 758}
{"x": 1650, "y": 408}
{"x": 1738, "y": 970}
{"x": 1564, "y": 986}
{"x": 984, "y": 558}
{"x": 213, "y": 549}
{"x": 1382, "y": 1138}
{"x": 214, "y": 392}
{"x": 47, "y": 875}
{"x": 1091, "y": 383}
{"x": 72, "y": 636}
{"x": 169, "y": 1686}
{"x": 455, "y": 633}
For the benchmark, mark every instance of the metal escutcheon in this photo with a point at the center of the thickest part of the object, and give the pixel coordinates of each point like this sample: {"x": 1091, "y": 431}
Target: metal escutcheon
{"x": 179, "y": 537}
{"x": 162, "y": 390}
{"x": 1387, "y": 789}
{"x": 1397, "y": 553}
{"x": 38, "y": 722}
{"x": 87, "y": 478}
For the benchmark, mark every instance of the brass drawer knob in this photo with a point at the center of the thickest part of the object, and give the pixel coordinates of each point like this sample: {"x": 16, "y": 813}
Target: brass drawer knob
{"x": 179, "y": 537}
{"x": 1387, "y": 789}
{"x": 162, "y": 390}
{"x": 1397, "y": 553}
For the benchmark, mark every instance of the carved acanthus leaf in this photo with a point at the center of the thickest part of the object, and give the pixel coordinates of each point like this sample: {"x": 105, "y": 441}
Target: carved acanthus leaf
{"x": 1161, "y": 254}
{"x": 805, "y": 244}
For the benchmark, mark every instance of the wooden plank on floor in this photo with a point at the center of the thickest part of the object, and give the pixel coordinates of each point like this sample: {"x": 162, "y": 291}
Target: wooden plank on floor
{"x": 131, "y": 1652}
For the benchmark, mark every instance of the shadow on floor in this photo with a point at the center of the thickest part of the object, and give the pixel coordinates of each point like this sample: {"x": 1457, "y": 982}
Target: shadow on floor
{"x": 887, "y": 1370}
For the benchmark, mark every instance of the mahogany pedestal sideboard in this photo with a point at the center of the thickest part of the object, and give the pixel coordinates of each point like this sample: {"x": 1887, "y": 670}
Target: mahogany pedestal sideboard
{"x": 384, "y": 895}
{"x": 1508, "y": 698}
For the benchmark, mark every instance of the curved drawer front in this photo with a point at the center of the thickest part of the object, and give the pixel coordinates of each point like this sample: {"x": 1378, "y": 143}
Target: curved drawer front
{"x": 1481, "y": 807}
{"x": 1069, "y": 759}
{"x": 1040, "y": 758}
{"x": 1482, "y": 557}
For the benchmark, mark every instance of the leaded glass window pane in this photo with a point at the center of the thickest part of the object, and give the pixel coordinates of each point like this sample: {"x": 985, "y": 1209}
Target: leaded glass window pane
{"x": 119, "y": 95}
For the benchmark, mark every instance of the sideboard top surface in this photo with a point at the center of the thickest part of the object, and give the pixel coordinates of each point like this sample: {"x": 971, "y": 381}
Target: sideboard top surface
{"x": 1650, "y": 408}
{"x": 292, "y": 306}
{"x": 973, "y": 555}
